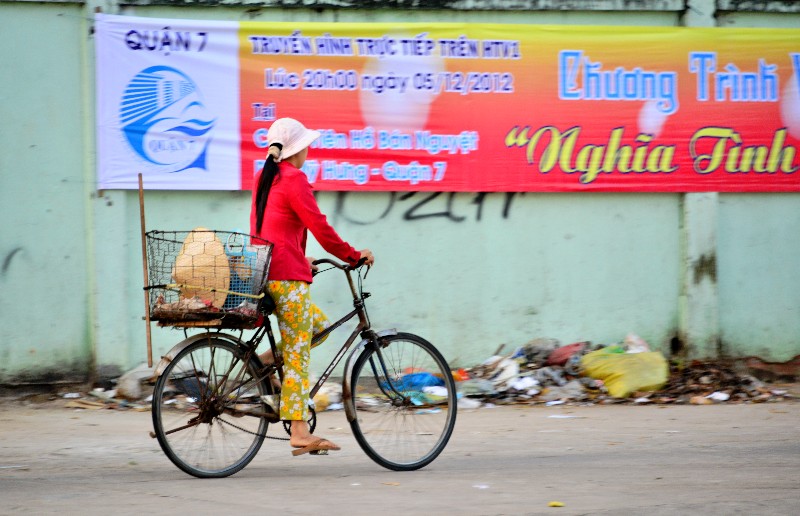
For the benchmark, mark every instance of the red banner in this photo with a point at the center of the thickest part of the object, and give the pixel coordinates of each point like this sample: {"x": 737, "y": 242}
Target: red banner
{"x": 528, "y": 108}
{"x": 447, "y": 107}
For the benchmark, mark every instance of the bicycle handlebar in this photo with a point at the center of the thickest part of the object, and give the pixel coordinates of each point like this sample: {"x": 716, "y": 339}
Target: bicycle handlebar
{"x": 342, "y": 266}
{"x": 358, "y": 294}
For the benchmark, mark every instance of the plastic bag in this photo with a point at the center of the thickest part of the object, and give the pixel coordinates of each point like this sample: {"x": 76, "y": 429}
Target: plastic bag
{"x": 243, "y": 262}
{"x": 416, "y": 381}
{"x": 626, "y": 373}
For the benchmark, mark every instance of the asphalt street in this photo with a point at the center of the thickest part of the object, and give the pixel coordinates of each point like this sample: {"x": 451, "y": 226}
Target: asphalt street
{"x": 620, "y": 459}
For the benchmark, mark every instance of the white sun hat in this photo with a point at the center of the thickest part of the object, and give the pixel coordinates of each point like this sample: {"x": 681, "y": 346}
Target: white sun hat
{"x": 292, "y": 135}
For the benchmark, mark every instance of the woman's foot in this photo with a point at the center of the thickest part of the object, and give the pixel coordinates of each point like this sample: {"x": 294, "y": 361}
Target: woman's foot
{"x": 267, "y": 359}
{"x": 305, "y": 442}
{"x": 318, "y": 447}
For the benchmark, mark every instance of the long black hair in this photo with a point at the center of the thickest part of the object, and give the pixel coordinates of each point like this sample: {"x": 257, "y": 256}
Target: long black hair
{"x": 265, "y": 185}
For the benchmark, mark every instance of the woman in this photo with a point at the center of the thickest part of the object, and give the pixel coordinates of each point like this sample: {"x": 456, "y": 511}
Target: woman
{"x": 282, "y": 211}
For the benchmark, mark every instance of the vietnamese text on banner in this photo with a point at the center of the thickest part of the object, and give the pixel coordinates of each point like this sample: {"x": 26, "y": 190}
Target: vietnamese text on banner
{"x": 450, "y": 107}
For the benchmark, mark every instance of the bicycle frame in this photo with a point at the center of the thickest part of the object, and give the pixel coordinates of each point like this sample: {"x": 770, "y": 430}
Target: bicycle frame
{"x": 363, "y": 328}
{"x": 224, "y": 396}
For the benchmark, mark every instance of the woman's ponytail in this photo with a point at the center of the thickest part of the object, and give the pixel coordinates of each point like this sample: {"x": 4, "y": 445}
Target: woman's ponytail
{"x": 265, "y": 183}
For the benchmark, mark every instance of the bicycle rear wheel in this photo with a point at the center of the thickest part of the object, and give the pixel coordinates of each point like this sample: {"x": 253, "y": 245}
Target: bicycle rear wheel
{"x": 405, "y": 401}
{"x": 207, "y": 412}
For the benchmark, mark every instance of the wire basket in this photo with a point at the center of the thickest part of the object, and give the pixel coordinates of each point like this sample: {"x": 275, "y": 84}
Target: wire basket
{"x": 206, "y": 277}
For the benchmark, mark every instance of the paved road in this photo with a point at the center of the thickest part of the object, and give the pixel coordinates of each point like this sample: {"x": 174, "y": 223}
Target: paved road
{"x": 620, "y": 460}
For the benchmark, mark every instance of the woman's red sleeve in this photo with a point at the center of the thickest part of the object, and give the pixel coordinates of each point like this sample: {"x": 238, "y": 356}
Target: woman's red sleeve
{"x": 305, "y": 206}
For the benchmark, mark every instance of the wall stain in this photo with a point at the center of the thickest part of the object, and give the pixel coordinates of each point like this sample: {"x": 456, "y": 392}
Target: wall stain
{"x": 772, "y": 371}
{"x": 8, "y": 258}
{"x": 705, "y": 266}
{"x": 749, "y": 5}
{"x": 460, "y": 5}
{"x": 69, "y": 373}
{"x": 319, "y": 5}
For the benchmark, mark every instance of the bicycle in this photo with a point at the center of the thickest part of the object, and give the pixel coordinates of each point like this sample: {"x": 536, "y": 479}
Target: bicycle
{"x": 212, "y": 398}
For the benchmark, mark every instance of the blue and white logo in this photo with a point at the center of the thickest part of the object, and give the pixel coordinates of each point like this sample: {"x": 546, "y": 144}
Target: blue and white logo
{"x": 164, "y": 119}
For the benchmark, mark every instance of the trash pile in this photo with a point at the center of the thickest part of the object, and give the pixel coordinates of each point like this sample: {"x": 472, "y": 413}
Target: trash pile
{"x": 545, "y": 372}
{"x": 131, "y": 391}
{"x": 693, "y": 382}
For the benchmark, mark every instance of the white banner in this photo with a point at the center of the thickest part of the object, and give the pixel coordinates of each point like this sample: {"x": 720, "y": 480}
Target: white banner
{"x": 167, "y": 103}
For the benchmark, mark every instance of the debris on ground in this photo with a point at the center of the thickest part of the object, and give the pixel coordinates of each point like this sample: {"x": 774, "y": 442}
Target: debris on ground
{"x": 624, "y": 372}
{"x": 540, "y": 372}
{"x": 549, "y": 373}
{"x": 129, "y": 385}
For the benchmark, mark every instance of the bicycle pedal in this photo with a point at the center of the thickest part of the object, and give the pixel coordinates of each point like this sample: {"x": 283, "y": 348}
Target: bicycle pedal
{"x": 318, "y": 452}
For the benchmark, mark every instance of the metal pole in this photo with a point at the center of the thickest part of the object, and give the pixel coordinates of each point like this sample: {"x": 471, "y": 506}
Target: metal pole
{"x": 146, "y": 283}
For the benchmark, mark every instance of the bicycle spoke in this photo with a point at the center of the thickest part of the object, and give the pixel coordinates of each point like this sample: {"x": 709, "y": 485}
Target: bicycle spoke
{"x": 190, "y": 424}
{"x": 208, "y": 380}
{"x": 400, "y": 423}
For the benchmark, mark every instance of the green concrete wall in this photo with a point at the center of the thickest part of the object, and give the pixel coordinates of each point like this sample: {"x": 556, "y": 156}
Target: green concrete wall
{"x": 759, "y": 308}
{"x": 45, "y": 273}
{"x": 477, "y": 272}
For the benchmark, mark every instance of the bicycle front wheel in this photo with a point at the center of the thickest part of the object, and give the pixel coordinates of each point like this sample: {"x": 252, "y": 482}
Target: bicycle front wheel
{"x": 405, "y": 401}
{"x": 207, "y": 410}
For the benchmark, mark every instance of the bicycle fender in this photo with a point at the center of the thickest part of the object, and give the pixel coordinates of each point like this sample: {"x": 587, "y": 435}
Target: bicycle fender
{"x": 347, "y": 398}
{"x": 180, "y": 346}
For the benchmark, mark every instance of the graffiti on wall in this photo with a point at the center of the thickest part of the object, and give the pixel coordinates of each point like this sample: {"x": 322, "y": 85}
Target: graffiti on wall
{"x": 422, "y": 206}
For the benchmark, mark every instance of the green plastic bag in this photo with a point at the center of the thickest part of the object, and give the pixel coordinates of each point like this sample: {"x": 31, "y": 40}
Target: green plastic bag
{"x": 626, "y": 373}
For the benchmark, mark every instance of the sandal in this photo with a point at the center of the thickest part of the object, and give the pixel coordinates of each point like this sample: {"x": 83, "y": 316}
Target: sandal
{"x": 318, "y": 447}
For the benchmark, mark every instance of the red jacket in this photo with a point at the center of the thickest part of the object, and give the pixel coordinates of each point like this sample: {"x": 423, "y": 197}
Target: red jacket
{"x": 291, "y": 211}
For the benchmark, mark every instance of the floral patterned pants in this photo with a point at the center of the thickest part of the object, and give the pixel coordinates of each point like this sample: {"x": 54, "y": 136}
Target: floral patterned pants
{"x": 298, "y": 320}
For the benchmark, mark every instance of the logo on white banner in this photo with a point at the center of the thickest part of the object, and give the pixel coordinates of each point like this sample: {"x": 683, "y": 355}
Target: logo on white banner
{"x": 165, "y": 120}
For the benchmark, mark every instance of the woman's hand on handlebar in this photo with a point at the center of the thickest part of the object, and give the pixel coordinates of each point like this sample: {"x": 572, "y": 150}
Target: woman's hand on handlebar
{"x": 367, "y": 257}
